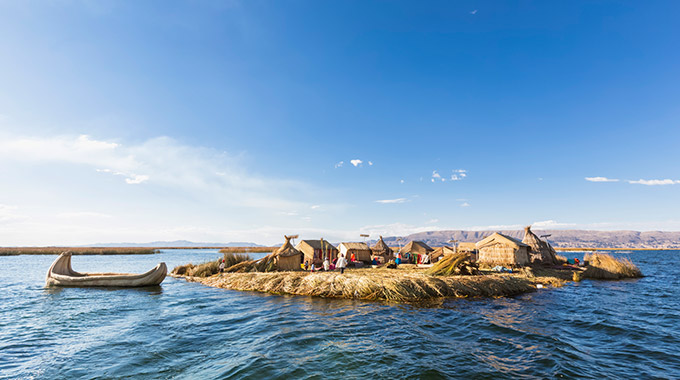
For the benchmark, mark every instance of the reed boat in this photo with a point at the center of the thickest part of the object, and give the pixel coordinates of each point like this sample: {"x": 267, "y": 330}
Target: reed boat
{"x": 61, "y": 274}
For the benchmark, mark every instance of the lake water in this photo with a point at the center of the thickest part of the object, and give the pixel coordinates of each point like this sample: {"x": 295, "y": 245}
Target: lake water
{"x": 593, "y": 329}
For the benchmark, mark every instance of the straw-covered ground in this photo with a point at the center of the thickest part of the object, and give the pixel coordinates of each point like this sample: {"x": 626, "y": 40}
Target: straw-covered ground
{"x": 453, "y": 276}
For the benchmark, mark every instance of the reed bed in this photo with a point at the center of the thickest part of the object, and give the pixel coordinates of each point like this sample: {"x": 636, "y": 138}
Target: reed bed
{"x": 210, "y": 268}
{"x": 607, "y": 267}
{"x": 13, "y": 251}
{"x": 454, "y": 264}
{"x": 371, "y": 284}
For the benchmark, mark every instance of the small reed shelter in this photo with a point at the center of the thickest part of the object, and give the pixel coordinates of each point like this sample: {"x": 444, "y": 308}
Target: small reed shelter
{"x": 499, "y": 249}
{"x": 381, "y": 252}
{"x": 541, "y": 251}
{"x": 440, "y": 252}
{"x": 287, "y": 257}
{"x": 416, "y": 249}
{"x": 315, "y": 251}
{"x": 361, "y": 251}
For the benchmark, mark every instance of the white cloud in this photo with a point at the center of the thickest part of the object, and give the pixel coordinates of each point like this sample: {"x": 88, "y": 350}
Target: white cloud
{"x": 551, "y": 224}
{"x": 435, "y": 174}
{"x": 82, "y": 214}
{"x": 8, "y": 214}
{"x": 387, "y": 201}
{"x": 402, "y": 181}
{"x": 458, "y": 174}
{"x": 136, "y": 179}
{"x": 601, "y": 179}
{"x": 315, "y": 207}
{"x": 339, "y": 164}
{"x": 432, "y": 221}
{"x": 370, "y": 163}
{"x": 464, "y": 204}
{"x": 655, "y": 182}
{"x": 474, "y": 12}
{"x": 356, "y": 162}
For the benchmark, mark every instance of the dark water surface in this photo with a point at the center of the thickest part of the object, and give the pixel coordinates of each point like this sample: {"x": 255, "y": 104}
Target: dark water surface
{"x": 593, "y": 329}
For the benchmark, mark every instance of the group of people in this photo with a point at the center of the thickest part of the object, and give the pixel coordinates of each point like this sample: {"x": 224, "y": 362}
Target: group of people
{"x": 338, "y": 263}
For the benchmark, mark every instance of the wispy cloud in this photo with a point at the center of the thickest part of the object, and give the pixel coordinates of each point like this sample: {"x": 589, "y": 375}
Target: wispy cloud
{"x": 601, "y": 179}
{"x": 655, "y": 182}
{"x": 397, "y": 200}
{"x": 356, "y": 162}
{"x": 160, "y": 161}
{"x": 339, "y": 164}
{"x": 474, "y": 12}
{"x": 458, "y": 174}
{"x": 464, "y": 204}
{"x": 82, "y": 214}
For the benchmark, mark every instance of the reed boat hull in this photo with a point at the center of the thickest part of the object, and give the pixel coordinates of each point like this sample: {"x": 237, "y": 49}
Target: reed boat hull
{"x": 61, "y": 274}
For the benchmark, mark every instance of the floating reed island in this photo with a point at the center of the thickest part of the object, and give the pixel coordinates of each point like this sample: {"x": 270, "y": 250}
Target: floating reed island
{"x": 497, "y": 266}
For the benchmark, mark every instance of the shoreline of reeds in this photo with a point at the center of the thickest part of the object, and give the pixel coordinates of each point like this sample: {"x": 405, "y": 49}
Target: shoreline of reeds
{"x": 412, "y": 286}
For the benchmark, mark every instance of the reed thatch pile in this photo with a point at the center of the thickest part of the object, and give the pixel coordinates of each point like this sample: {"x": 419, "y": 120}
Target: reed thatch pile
{"x": 541, "y": 252}
{"x": 371, "y": 284}
{"x": 607, "y": 267}
{"x": 454, "y": 264}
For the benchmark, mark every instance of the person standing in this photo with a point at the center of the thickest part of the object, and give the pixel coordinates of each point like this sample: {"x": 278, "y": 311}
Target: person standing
{"x": 326, "y": 264}
{"x": 306, "y": 265}
{"x": 342, "y": 263}
{"x": 222, "y": 266}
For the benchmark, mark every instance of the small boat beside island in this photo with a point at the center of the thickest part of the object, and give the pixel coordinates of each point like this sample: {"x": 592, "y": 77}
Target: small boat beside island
{"x": 61, "y": 274}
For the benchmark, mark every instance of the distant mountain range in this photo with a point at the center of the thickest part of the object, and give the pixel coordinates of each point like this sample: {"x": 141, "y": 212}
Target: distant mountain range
{"x": 176, "y": 243}
{"x": 558, "y": 238}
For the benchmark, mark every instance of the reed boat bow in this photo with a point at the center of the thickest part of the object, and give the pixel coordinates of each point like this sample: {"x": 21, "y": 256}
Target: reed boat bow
{"x": 61, "y": 274}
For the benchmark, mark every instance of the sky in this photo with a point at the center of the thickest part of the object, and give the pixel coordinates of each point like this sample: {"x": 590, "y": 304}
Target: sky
{"x": 219, "y": 121}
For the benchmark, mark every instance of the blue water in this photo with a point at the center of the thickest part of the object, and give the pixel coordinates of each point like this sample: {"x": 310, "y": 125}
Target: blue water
{"x": 593, "y": 329}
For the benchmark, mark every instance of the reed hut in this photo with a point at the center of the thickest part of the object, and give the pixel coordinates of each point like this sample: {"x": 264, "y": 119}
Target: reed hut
{"x": 381, "y": 251}
{"x": 466, "y": 247}
{"x": 541, "y": 252}
{"x": 416, "y": 249}
{"x": 314, "y": 251}
{"x": 440, "y": 252}
{"x": 287, "y": 257}
{"x": 361, "y": 251}
{"x": 499, "y": 249}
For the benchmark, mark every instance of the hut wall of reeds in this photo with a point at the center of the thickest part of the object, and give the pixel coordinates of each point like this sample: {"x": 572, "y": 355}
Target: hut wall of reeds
{"x": 361, "y": 251}
{"x": 381, "y": 251}
{"x": 416, "y": 249}
{"x": 499, "y": 249}
{"x": 287, "y": 257}
{"x": 314, "y": 251}
{"x": 541, "y": 252}
{"x": 467, "y": 247}
{"x": 440, "y": 252}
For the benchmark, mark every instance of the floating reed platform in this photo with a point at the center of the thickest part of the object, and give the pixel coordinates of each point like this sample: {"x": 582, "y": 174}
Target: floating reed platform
{"x": 372, "y": 284}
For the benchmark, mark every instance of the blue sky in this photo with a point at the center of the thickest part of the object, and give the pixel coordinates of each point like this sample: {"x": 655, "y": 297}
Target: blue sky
{"x": 242, "y": 121}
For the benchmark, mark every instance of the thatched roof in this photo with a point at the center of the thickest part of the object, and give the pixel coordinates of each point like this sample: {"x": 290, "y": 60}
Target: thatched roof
{"x": 541, "y": 251}
{"x": 416, "y": 246}
{"x": 287, "y": 249}
{"x": 316, "y": 244}
{"x": 441, "y": 251}
{"x": 497, "y": 238}
{"x": 381, "y": 247}
{"x": 359, "y": 246}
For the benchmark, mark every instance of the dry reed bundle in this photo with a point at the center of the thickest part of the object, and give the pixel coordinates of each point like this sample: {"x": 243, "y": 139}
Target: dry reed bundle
{"x": 371, "y": 285}
{"x": 607, "y": 267}
{"x": 561, "y": 259}
{"x": 454, "y": 264}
